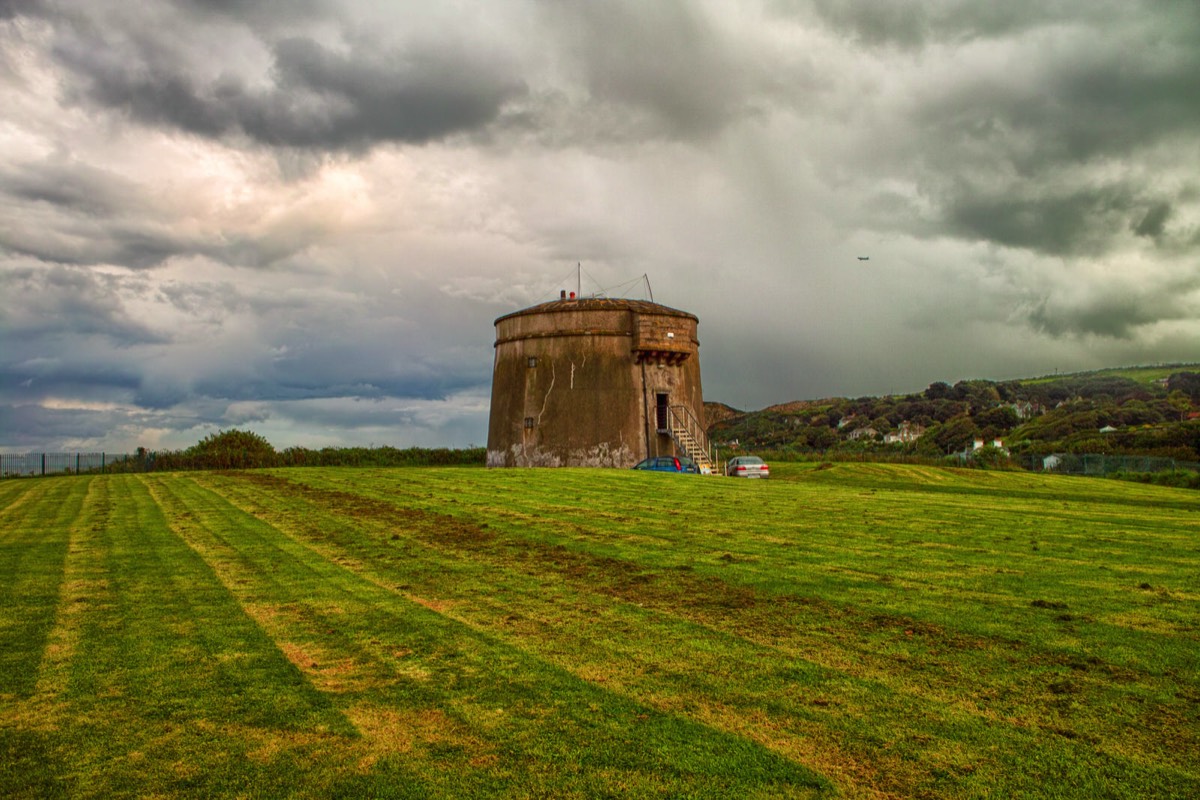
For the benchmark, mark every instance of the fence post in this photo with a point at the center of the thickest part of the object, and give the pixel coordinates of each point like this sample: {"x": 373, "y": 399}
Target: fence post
{"x": 43, "y": 463}
{"x": 77, "y": 463}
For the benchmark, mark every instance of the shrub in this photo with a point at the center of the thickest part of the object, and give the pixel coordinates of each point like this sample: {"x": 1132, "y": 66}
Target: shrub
{"x": 232, "y": 449}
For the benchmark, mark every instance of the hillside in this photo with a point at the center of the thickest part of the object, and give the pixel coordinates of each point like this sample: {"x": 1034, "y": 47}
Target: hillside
{"x": 1141, "y": 411}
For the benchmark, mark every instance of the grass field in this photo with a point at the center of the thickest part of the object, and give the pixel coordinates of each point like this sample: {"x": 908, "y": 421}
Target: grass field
{"x": 850, "y": 631}
{"x": 1143, "y": 375}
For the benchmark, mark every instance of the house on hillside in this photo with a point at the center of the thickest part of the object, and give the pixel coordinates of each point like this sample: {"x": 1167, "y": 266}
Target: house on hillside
{"x": 906, "y": 432}
{"x": 861, "y": 433}
{"x": 971, "y": 452}
{"x": 1026, "y": 409}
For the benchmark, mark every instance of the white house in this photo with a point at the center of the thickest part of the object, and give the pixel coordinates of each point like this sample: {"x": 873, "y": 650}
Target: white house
{"x": 906, "y": 432}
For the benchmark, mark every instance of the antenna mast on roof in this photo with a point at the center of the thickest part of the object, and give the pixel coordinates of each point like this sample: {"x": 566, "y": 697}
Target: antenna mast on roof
{"x": 646, "y": 278}
{"x": 578, "y": 281}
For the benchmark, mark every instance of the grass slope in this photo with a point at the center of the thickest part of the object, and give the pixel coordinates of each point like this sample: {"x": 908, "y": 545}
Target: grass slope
{"x": 1143, "y": 374}
{"x": 859, "y": 631}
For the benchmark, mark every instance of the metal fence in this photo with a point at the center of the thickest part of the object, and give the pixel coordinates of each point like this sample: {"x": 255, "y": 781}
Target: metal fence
{"x": 1097, "y": 464}
{"x": 18, "y": 464}
{"x": 23, "y": 464}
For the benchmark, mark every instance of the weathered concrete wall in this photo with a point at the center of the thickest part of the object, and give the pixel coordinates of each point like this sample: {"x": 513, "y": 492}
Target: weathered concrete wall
{"x": 589, "y": 398}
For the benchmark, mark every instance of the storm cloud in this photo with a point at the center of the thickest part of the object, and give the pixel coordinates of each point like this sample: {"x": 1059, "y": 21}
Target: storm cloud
{"x": 304, "y": 216}
{"x": 314, "y": 97}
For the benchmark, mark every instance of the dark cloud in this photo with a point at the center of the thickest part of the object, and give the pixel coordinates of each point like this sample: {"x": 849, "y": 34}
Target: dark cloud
{"x": 314, "y": 97}
{"x": 62, "y": 210}
{"x": 987, "y": 156}
{"x": 80, "y": 245}
{"x": 70, "y": 184}
{"x": 669, "y": 61}
{"x": 1093, "y": 94}
{"x": 10, "y": 9}
{"x": 358, "y": 412}
{"x": 1059, "y": 223}
{"x": 35, "y": 425}
{"x": 53, "y": 429}
{"x": 65, "y": 211}
{"x": 313, "y": 369}
{"x": 1042, "y": 148}
{"x": 1115, "y": 316}
{"x": 32, "y": 379}
{"x": 279, "y": 11}
{"x": 1154, "y": 222}
{"x": 915, "y": 24}
{"x": 71, "y": 302}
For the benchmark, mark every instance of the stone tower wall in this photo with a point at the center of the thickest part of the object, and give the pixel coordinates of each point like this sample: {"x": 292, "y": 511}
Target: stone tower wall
{"x": 575, "y": 382}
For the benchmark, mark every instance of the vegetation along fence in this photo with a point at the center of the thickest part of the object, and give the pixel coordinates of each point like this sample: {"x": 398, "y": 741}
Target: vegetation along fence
{"x": 1098, "y": 464}
{"x": 217, "y": 456}
{"x": 23, "y": 464}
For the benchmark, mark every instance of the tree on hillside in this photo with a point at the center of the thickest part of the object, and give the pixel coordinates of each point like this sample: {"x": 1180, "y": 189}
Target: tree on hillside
{"x": 999, "y": 419}
{"x": 1180, "y": 402}
{"x": 981, "y": 395}
{"x": 939, "y": 390}
{"x": 1186, "y": 382}
{"x": 954, "y": 434}
{"x": 1137, "y": 412}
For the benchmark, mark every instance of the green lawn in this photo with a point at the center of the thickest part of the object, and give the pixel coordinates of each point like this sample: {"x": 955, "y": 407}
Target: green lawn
{"x": 1143, "y": 375}
{"x": 854, "y": 630}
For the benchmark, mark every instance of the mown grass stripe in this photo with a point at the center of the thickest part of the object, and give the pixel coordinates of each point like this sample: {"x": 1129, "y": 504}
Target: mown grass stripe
{"x": 1008, "y": 666}
{"x": 162, "y": 659}
{"x": 900, "y": 641}
{"x": 495, "y": 675}
{"x": 33, "y": 552}
{"x": 32, "y": 762}
{"x": 801, "y": 559}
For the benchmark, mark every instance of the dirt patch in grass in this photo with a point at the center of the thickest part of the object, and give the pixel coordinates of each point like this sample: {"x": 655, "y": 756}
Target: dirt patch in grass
{"x": 392, "y": 731}
{"x": 327, "y": 674}
{"x": 907, "y": 653}
{"x": 328, "y": 670}
{"x": 265, "y": 745}
{"x": 705, "y": 598}
{"x": 446, "y": 527}
{"x": 433, "y": 604}
{"x": 811, "y": 745}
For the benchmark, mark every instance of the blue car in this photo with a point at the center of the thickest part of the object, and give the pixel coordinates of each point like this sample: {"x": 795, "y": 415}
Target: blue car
{"x": 668, "y": 464}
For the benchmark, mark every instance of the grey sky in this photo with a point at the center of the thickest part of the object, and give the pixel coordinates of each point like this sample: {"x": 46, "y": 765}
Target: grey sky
{"x": 303, "y": 217}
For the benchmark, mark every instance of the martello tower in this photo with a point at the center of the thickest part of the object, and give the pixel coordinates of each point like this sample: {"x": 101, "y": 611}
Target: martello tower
{"x": 595, "y": 382}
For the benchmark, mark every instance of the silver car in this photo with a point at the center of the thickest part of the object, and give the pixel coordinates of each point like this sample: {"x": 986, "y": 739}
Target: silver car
{"x": 747, "y": 467}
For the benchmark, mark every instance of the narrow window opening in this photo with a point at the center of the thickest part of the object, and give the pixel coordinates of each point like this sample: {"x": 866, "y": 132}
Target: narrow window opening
{"x": 529, "y": 422}
{"x": 532, "y": 362}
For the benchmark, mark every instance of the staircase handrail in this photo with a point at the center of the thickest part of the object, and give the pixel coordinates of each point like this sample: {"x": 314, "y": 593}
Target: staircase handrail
{"x": 687, "y": 420}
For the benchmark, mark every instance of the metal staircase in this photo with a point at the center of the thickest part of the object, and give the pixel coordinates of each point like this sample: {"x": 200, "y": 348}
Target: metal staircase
{"x": 690, "y": 437}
